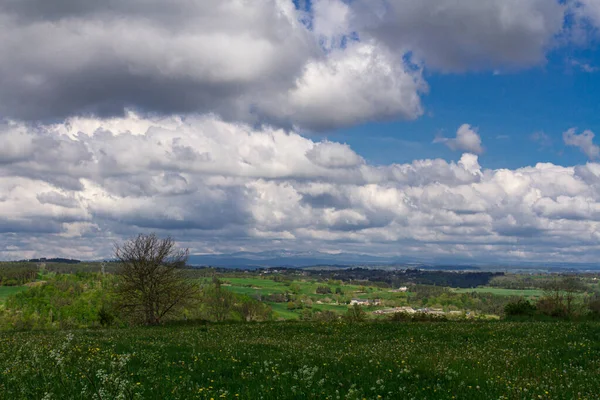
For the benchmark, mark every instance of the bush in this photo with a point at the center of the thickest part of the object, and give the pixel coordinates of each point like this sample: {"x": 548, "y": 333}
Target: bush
{"x": 593, "y": 306}
{"x": 106, "y": 317}
{"x": 417, "y": 317}
{"x": 355, "y": 314}
{"x": 253, "y": 310}
{"x": 323, "y": 290}
{"x": 549, "y": 306}
{"x": 520, "y": 308}
{"x": 276, "y": 298}
{"x": 325, "y": 316}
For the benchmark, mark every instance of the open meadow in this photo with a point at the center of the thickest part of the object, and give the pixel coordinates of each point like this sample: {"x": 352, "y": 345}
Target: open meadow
{"x": 477, "y": 360}
{"x": 6, "y": 291}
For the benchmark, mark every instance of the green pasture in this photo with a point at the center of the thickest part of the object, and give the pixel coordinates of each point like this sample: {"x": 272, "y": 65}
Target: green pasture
{"x": 297, "y": 360}
{"x": 6, "y": 291}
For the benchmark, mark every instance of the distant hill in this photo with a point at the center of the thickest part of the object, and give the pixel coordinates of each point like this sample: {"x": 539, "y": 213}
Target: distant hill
{"x": 53, "y": 260}
{"x": 286, "y": 259}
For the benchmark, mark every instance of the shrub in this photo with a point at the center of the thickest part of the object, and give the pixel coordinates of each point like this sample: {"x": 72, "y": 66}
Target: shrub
{"x": 549, "y": 306}
{"x": 355, "y": 314}
{"x": 106, "y": 317}
{"x": 520, "y": 308}
{"x": 417, "y": 317}
{"x": 276, "y": 298}
{"x": 593, "y": 306}
{"x": 325, "y": 316}
{"x": 323, "y": 290}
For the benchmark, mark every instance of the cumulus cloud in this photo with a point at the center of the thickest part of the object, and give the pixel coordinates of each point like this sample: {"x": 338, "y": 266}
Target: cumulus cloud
{"x": 358, "y": 83}
{"x": 255, "y": 62}
{"x": 204, "y": 180}
{"x": 334, "y": 155}
{"x": 331, "y": 21}
{"x": 464, "y": 34}
{"x": 584, "y": 141}
{"x": 220, "y": 89}
{"x": 467, "y": 139}
{"x": 330, "y": 65}
{"x": 103, "y": 56}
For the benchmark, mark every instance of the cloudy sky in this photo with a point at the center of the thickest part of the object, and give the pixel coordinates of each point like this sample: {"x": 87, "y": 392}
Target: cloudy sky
{"x": 442, "y": 130}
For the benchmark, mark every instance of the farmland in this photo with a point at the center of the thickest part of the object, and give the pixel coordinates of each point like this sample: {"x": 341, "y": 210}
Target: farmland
{"x": 527, "y": 293}
{"x": 290, "y": 334}
{"x": 483, "y": 360}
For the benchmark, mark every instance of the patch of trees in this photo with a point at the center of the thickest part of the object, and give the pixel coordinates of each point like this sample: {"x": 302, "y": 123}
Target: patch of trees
{"x": 397, "y": 278}
{"x": 323, "y": 290}
{"x": 562, "y": 299}
{"x": 53, "y": 260}
{"x": 64, "y": 301}
{"x": 17, "y": 273}
{"x": 219, "y": 304}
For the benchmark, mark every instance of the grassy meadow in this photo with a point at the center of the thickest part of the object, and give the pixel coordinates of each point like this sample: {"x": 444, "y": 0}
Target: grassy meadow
{"x": 6, "y": 291}
{"x": 299, "y": 360}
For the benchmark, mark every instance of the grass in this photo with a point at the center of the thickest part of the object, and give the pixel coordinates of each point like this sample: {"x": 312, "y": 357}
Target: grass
{"x": 281, "y": 311}
{"x": 6, "y": 291}
{"x": 494, "y": 360}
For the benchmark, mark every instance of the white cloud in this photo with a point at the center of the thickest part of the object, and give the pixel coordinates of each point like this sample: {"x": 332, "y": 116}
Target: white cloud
{"x": 464, "y": 35}
{"x": 467, "y": 139}
{"x": 331, "y": 21}
{"x": 339, "y": 64}
{"x": 588, "y": 10}
{"x": 254, "y": 62}
{"x": 361, "y": 82}
{"x": 334, "y": 155}
{"x": 584, "y": 141}
{"x": 218, "y": 186}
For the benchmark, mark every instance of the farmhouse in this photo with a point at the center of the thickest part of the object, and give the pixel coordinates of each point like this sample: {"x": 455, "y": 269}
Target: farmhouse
{"x": 365, "y": 302}
{"x": 402, "y": 289}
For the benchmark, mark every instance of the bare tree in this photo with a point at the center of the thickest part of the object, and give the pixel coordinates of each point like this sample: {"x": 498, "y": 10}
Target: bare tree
{"x": 572, "y": 285}
{"x": 151, "y": 283}
{"x": 561, "y": 295}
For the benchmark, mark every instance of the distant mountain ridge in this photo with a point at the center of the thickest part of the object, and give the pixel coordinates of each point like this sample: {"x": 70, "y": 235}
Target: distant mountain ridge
{"x": 52, "y": 260}
{"x": 303, "y": 259}
{"x": 285, "y": 258}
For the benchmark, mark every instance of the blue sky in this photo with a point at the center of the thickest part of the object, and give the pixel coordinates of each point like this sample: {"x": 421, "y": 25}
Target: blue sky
{"x": 419, "y": 129}
{"x": 507, "y": 108}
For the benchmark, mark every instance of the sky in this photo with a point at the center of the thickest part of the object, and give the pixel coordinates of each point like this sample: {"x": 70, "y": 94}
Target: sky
{"x": 438, "y": 130}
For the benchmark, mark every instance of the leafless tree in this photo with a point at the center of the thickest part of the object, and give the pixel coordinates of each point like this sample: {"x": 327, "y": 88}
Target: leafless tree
{"x": 561, "y": 294}
{"x": 572, "y": 285}
{"x": 151, "y": 284}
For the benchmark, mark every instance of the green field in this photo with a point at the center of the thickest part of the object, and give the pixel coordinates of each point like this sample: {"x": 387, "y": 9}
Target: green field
{"x": 269, "y": 286}
{"x": 494, "y": 360}
{"x": 254, "y": 286}
{"x": 6, "y": 291}
{"x": 528, "y": 293}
